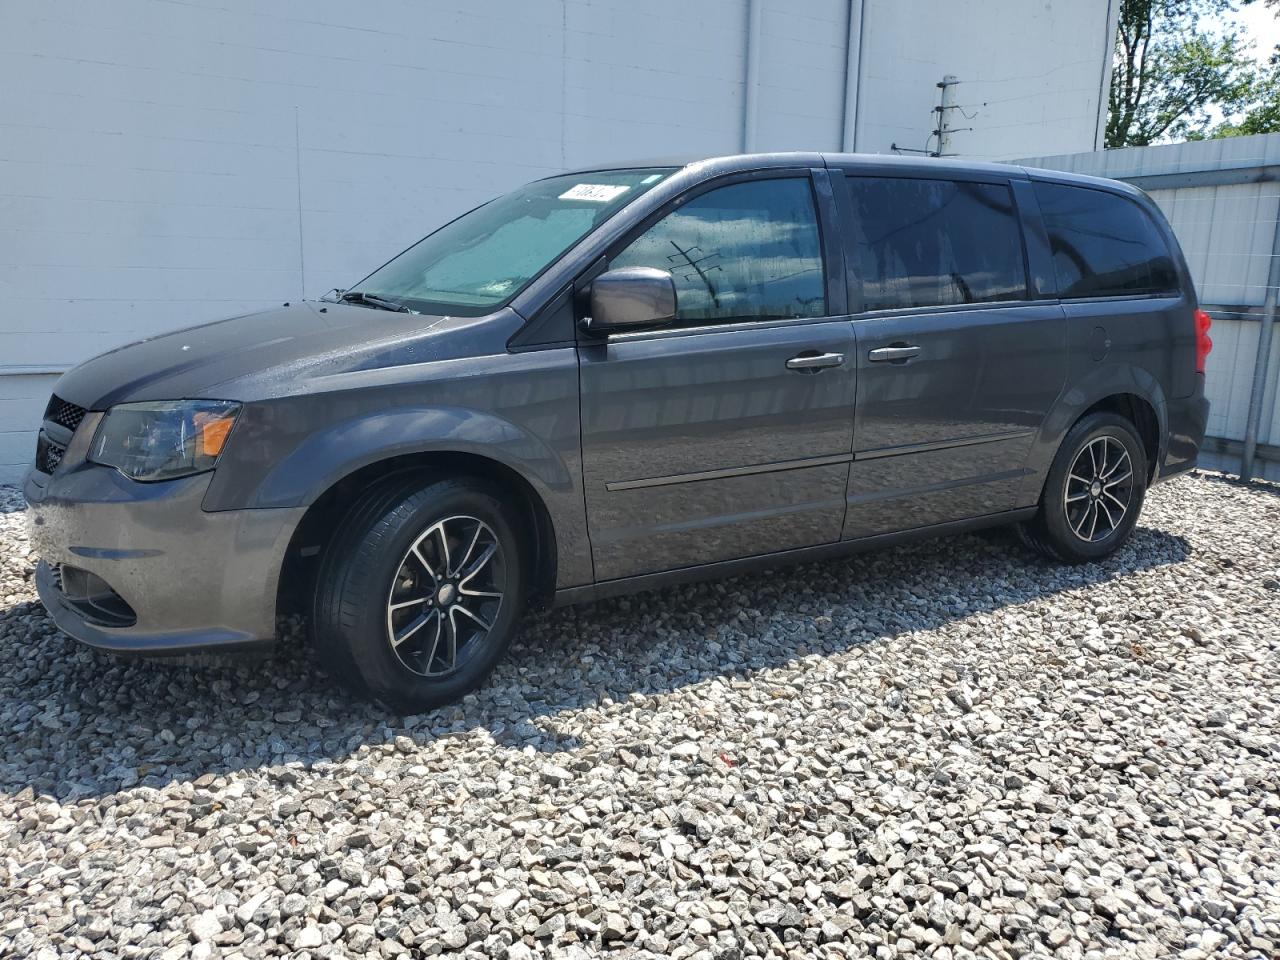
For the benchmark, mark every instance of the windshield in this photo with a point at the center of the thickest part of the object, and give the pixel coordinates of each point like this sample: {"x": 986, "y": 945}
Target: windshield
{"x": 484, "y": 258}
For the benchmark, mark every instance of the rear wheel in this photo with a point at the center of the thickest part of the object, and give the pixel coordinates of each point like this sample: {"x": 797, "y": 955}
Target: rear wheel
{"x": 1093, "y": 493}
{"x": 420, "y": 592}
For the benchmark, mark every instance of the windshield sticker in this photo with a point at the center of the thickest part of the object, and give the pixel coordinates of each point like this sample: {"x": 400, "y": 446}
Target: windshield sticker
{"x": 652, "y": 179}
{"x": 595, "y": 192}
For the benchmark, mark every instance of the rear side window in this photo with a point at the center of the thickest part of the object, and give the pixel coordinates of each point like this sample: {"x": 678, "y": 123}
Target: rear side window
{"x": 931, "y": 243}
{"x": 1104, "y": 245}
{"x": 747, "y": 251}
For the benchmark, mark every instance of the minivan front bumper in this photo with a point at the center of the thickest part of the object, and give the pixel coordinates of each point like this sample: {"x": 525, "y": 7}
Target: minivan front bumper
{"x": 175, "y": 577}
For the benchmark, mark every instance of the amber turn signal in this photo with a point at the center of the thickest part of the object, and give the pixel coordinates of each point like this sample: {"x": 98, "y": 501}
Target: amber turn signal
{"x": 212, "y": 430}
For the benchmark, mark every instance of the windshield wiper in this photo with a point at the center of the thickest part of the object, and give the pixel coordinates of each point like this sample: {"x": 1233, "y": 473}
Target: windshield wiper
{"x": 373, "y": 300}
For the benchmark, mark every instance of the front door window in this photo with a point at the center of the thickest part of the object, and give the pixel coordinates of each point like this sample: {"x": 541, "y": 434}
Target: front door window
{"x": 747, "y": 251}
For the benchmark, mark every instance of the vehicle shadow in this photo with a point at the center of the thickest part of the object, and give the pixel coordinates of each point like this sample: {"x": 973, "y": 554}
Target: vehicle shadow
{"x": 85, "y": 724}
{"x": 1258, "y": 484}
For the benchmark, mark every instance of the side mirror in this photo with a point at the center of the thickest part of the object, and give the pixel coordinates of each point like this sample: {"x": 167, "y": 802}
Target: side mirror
{"x": 630, "y": 298}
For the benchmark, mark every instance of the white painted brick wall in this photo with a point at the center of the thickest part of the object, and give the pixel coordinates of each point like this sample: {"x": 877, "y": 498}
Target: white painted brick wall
{"x": 1027, "y": 70}
{"x": 165, "y": 163}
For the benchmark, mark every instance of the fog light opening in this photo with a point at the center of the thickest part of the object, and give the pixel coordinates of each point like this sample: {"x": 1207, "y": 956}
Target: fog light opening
{"x": 93, "y": 597}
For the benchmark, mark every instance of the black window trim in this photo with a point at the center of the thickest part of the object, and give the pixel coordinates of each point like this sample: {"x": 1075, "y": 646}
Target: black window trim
{"x": 1173, "y": 295}
{"x": 884, "y": 171}
{"x": 730, "y": 324}
{"x": 949, "y": 308}
{"x": 854, "y": 278}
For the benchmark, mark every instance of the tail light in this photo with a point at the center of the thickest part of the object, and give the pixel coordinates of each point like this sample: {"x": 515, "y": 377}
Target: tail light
{"x": 1203, "y": 343}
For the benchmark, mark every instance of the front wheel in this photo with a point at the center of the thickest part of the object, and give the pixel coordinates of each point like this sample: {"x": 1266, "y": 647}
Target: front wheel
{"x": 420, "y": 591}
{"x": 1093, "y": 493}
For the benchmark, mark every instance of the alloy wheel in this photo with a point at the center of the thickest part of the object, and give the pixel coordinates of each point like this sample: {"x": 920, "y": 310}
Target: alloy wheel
{"x": 445, "y": 596}
{"x": 1099, "y": 489}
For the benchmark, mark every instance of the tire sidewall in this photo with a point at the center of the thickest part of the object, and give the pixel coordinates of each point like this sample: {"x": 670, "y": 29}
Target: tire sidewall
{"x": 383, "y": 550}
{"x": 1053, "y": 511}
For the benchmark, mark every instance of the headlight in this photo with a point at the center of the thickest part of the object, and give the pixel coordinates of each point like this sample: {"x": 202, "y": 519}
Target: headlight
{"x": 161, "y": 441}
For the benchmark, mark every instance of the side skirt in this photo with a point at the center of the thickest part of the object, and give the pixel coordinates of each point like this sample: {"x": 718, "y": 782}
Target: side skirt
{"x": 826, "y": 551}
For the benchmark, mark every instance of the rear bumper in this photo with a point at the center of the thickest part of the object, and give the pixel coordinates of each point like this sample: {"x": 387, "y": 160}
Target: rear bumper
{"x": 1188, "y": 418}
{"x": 192, "y": 579}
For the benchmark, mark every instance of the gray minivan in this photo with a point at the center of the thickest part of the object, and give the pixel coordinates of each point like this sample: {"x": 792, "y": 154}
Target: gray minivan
{"x": 617, "y": 378}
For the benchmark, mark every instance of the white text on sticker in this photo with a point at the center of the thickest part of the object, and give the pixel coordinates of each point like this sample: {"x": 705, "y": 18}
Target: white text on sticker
{"x": 596, "y": 192}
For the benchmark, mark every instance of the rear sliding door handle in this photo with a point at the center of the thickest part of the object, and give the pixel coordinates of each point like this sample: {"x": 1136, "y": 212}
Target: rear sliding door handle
{"x": 811, "y": 361}
{"x": 896, "y": 353}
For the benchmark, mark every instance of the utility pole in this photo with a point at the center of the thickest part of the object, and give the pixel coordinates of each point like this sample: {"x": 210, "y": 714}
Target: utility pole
{"x": 943, "y": 124}
{"x": 944, "y": 110}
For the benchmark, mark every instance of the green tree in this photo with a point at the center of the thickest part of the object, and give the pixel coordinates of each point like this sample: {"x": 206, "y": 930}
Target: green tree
{"x": 1170, "y": 76}
{"x": 1263, "y": 116}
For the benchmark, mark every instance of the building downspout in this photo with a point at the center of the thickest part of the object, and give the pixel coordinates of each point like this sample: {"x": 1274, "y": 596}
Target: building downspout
{"x": 852, "y": 72}
{"x": 1104, "y": 83}
{"x": 750, "y": 100}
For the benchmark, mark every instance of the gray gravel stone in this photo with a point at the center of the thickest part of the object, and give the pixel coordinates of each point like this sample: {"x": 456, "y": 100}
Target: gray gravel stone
{"x": 947, "y": 750}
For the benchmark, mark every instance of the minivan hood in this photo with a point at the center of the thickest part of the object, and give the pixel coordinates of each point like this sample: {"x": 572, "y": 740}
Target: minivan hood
{"x": 245, "y": 357}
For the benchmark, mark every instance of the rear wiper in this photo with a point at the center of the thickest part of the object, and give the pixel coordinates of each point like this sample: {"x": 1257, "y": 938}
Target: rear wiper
{"x": 373, "y": 300}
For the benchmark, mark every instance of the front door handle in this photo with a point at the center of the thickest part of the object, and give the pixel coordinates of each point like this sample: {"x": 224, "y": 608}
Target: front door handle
{"x": 811, "y": 361}
{"x": 894, "y": 354}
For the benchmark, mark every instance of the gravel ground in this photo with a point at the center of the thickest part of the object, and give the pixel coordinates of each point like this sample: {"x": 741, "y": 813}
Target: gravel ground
{"x": 946, "y": 749}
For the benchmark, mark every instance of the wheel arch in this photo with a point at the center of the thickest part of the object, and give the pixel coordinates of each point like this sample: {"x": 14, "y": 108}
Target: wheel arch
{"x": 1142, "y": 414}
{"x": 1129, "y": 391}
{"x": 318, "y": 525}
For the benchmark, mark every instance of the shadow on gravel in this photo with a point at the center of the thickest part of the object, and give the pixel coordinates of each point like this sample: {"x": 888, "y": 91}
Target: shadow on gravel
{"x": 84, "y": 724}
{"x": 1231, "y": 480}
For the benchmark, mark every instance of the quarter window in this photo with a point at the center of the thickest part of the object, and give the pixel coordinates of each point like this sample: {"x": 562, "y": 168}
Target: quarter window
{"x": 747, "y": 251}
{"x": 1103, "y": 244}
{"x": 931, "y": 243}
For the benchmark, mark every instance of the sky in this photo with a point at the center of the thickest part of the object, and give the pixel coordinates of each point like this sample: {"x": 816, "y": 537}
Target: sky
{"x": 1258, "y": 23}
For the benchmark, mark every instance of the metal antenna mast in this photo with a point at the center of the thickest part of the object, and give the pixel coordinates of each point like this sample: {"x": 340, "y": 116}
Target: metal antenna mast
{"x": 945, "y": 108}
{"x": 944, "y": 125}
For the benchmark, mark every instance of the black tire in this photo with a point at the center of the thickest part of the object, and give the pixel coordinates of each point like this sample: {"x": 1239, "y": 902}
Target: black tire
{"x": 1058, "y": 530}
{"x": 372, "y": 561}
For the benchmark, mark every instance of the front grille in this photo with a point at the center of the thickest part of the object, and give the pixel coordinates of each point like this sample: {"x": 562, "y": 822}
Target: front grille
{"x": 63, "y": 413}
{"x": 59, "y": 415}
{"x": 49, "y": 453}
